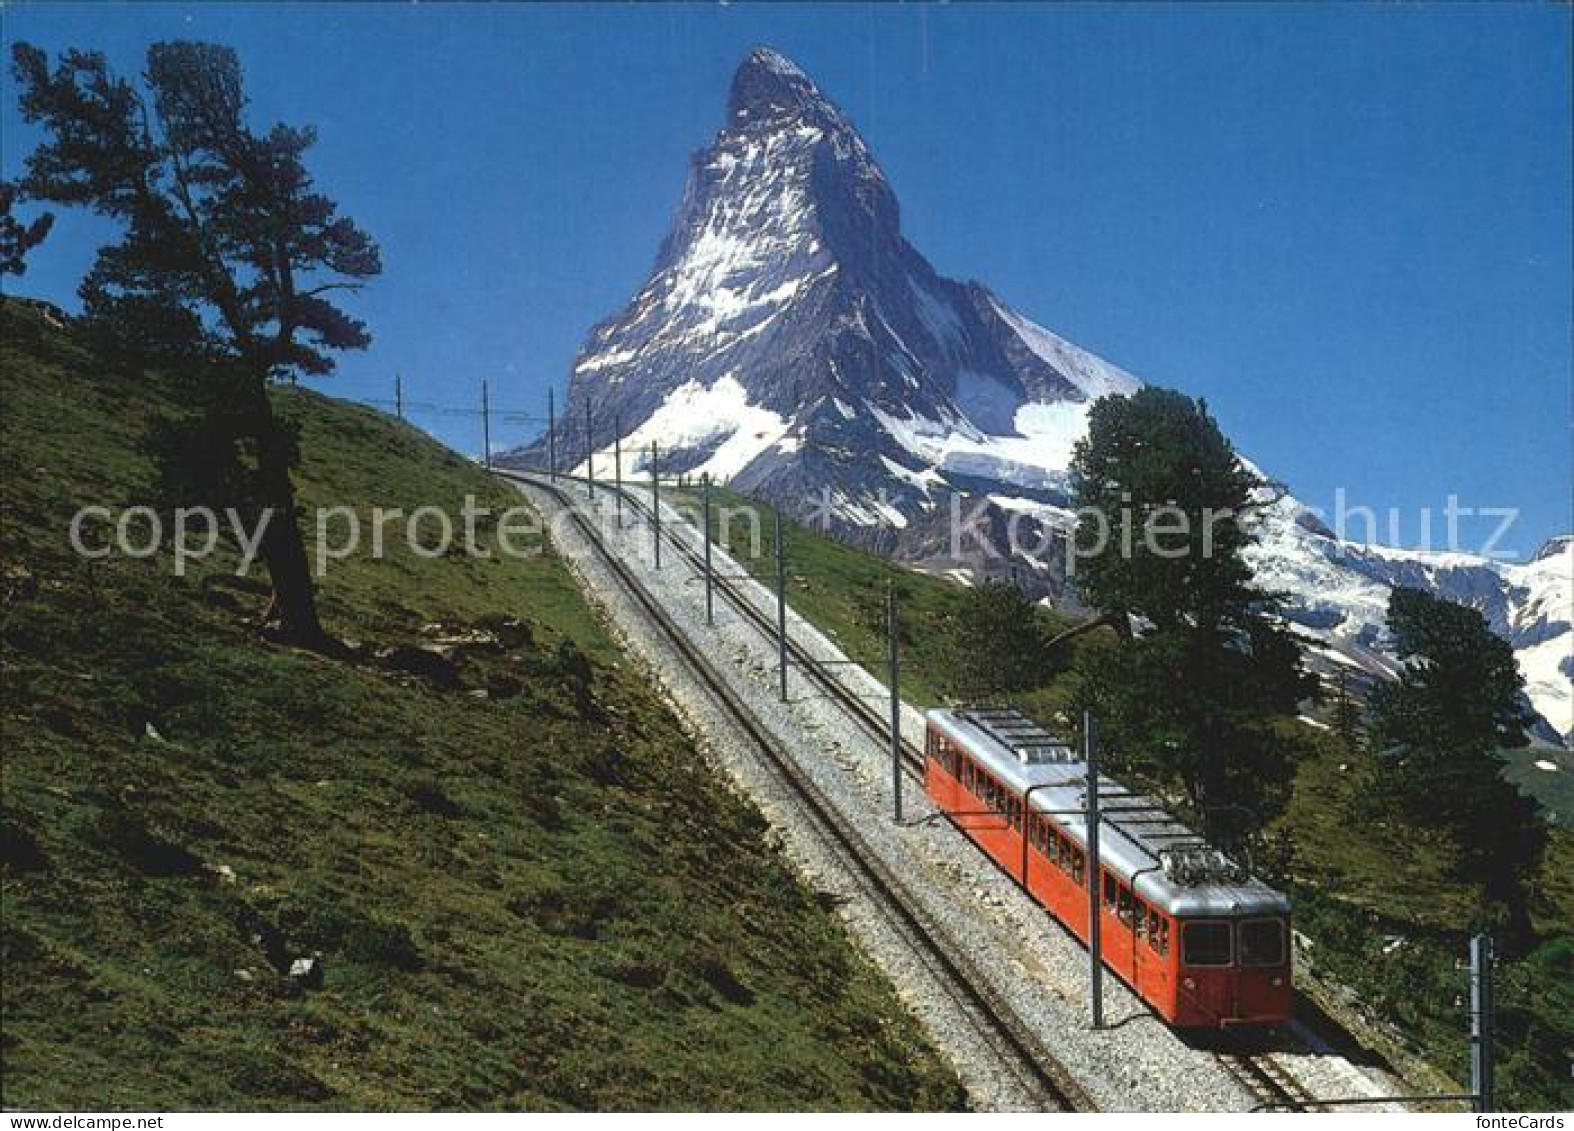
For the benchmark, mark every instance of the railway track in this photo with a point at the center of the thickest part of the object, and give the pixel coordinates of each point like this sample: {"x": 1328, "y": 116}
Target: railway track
{"x": 996, "y": 1023}
{"x": 1267, "y": 1079}
{"x": 1259, "y": 1074}
{"x": 872, "y": 721}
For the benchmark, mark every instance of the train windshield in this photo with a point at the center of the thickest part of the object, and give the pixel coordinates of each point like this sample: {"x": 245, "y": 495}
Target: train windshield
{"x": 1262, "y": 942}
{"x": 1206, "y": 944}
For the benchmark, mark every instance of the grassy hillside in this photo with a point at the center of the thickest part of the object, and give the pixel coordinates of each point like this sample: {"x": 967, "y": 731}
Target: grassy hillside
{"x": 1375, "y": 897}
{"x": 526, "y": 888}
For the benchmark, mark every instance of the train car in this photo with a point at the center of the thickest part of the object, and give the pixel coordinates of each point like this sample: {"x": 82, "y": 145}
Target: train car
{"x": 1201, "y": 941}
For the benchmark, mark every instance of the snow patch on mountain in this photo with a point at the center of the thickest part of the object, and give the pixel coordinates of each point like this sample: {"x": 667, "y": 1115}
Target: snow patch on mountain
{"x": 1091, "y": 374}
{"x": 1034, "y": 456}
{"x": 716, "y": 423}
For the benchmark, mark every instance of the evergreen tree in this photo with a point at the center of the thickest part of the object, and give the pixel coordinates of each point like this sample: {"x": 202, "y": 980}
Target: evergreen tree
{"x": 1190, "y": 700}
{"x": 995, "y": 644}
{"x": 1440, "y": 730}
{"x": 18, "y": 238}
{"x": 1346, "y": 714}
{"x": 227, "y": 260}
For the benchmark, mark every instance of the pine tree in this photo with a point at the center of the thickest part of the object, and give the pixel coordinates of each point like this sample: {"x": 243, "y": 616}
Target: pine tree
{"x": 995, "y": 644}
{"x": 1191, "y": 698}
{"x": 1346, "y": 715}
{"x": 1440, "y": 730}
{"x": 18, "y": 238}
{"x": 225, "y": 266}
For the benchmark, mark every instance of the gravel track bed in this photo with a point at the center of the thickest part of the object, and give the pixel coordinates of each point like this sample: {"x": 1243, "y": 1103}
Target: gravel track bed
{"x": 1135, "y": 1063}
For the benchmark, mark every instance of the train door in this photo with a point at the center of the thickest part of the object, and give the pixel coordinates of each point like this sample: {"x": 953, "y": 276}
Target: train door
{"x": 1263, "y": 957}
{"x": 1207, "y": 961}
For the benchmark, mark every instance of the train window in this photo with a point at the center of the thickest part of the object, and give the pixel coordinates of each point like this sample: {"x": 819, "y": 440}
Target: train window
{"x": 1155, "y": 925}
{"x": 1079, "y": 869}
{"x": 1126, "y": 906}
{"x": 1109, "y": 890}
{"x": 1262, "y": 942}
{"x": 1206, "y": 944}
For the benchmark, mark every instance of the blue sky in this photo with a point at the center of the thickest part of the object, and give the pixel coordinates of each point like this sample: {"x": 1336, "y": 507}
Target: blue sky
{"x": 1347, "y": 227}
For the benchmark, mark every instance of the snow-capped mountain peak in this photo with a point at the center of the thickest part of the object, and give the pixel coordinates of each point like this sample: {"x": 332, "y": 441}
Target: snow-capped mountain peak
{"x": 790, "y": 340}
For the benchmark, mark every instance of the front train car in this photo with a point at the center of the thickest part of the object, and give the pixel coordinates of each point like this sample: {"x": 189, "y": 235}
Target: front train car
{"x": 1201, "y": 941}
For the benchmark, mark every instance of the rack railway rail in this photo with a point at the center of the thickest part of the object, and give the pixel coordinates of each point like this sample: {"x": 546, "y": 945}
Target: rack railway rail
{"x": 1267, "y": 1079}
{"x": 1258, "y": 1073}
{"x": 1017, "y": 1047}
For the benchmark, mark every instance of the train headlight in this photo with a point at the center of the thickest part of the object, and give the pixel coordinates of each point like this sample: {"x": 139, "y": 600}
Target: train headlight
{"x": 1189, "y": 984}
{"x": 1277, "y": 982}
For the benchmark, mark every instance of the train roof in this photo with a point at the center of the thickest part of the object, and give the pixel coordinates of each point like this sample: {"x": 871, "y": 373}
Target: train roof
{"x": 1165, "y": 861}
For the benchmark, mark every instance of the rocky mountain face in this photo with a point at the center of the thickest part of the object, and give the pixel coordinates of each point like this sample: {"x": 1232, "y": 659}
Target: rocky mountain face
{"x": 791, "y": 342}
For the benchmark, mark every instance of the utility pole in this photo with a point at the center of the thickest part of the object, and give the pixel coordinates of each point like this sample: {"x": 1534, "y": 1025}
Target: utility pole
{"x": 590, "y": 452}
{"x": 486, "y": 428}
{"x": 710, "y": 600}
{"x": 1481, "y": 1023}
{"x": 398, "y": 397}
{"x": 896, "y": 701}
{"x": 781, "y": 604}
{"x": 1095, "y": 949}
{"x": 617, "y": 469}
{"x": 655, "y": 502}
{"x": 551, "y": 436}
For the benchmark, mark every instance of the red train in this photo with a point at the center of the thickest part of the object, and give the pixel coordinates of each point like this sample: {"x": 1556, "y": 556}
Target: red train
{"x": 1199, "y": 940}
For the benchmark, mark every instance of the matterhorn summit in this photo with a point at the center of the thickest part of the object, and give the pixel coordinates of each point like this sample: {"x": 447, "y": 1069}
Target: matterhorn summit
{"x": 789, "y": 341}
